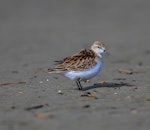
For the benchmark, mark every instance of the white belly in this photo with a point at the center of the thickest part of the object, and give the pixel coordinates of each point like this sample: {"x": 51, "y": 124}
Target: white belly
{"x": 86, "y": 74}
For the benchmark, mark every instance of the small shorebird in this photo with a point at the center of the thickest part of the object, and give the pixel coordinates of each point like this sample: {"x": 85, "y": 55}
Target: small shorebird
{"x": 82, "y": 66}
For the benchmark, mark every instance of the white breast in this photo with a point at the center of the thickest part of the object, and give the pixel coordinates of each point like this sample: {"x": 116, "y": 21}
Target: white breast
{"x": 86, "y": 74}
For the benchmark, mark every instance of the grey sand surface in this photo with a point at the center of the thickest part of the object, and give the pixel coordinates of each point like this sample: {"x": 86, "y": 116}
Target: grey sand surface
{"x": 35, "y": 33}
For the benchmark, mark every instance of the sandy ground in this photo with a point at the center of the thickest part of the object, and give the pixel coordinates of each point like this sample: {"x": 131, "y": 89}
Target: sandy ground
{"x": 35, "y": 33}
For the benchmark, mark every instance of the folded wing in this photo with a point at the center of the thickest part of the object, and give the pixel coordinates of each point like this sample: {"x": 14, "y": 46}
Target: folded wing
{"x": 81, "y": 61}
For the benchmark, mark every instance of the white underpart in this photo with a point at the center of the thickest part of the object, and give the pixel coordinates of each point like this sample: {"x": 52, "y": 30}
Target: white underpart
{"x": 86, "y": 74}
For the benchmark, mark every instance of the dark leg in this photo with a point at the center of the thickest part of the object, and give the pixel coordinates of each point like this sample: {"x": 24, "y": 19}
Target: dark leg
{"x": 79, "y": 85}
{"x": 77, "y": 82}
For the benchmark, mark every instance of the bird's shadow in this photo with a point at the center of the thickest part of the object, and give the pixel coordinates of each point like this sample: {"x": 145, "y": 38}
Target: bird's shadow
{"x": 107, "y": 85}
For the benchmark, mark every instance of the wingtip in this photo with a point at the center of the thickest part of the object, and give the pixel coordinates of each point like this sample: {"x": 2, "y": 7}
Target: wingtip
{"x": 50, "y": 70}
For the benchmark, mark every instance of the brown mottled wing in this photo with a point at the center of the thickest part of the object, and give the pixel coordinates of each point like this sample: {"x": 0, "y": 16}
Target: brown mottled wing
{"x": 81, "y": 61}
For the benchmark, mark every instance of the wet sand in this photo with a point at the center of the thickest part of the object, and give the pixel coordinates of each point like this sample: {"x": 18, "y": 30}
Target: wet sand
{"x": 35, "y": 33}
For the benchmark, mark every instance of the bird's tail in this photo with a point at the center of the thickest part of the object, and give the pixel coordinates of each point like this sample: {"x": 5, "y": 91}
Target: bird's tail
{"x": 53, "y": 70}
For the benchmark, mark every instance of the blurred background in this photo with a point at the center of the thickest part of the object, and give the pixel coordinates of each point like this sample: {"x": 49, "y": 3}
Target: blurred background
{"x": 36, "y": 32}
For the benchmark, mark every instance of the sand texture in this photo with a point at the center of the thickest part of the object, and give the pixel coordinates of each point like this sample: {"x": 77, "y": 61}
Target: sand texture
{"x": 34, "y": 33}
